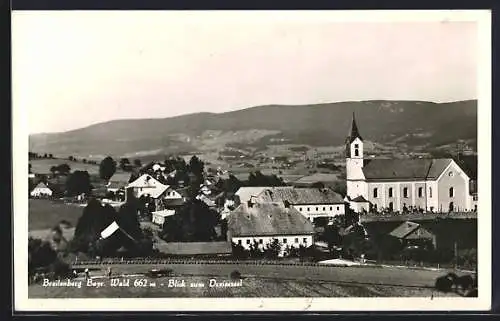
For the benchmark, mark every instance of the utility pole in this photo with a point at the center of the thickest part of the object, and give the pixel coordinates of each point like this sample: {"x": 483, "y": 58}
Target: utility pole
{"x": 456, "y": 254}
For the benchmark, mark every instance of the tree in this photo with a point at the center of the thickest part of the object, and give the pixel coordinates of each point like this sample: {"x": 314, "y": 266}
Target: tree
{"x": 272, "y": 250}
{"x": 196, "y": 167}
{"x": 124, "y": 163}
{"x": 137, "y": 163}
{"x": 63, "y": 169}
{"x": 194, "y": 221}
{"x": 107, "y": 168}
{"x": 77, "y": 183}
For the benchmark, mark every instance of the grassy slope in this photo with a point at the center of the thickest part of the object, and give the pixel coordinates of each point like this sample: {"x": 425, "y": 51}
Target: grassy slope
{"x": 252, "y": 287}
{"x": 45, "y": 214}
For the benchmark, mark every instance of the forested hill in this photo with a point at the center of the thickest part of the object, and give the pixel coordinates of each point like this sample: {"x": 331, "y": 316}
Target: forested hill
{"x": 411, "y": 122}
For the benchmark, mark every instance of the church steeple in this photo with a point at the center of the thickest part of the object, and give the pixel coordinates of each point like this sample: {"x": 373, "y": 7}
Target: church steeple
{"x": 354, "y": 133}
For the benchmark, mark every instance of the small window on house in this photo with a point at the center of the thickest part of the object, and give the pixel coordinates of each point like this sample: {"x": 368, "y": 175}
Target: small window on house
{"x": 430, "y": 191}
{"x": 390, "y": 191}
{"x": 356, "y": 145}
{"x": 375, "y": 192}
{"x": 248, "y": 241}
{"x": 452, "y": 192}
{"x": 324, "y": 208}
{"x": 420, "y": 191}
{"x": 316, "y": 209}
{"x": 331, "y": 208}
{"x": 284, "y": 241}
{"x": 405, "y": 192}
{"x": 296, "y": 240}
{"x": 261, "y": 241}
{"x": 338, "y": 208}
{"x": 304, "y": 240}
{"x": 308, "y": 209}
{"x": 239, "y": 242}
{"x": 300, "y": 209}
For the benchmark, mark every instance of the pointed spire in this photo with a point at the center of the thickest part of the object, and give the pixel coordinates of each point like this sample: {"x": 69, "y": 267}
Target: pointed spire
{"x": 354, "y": 130}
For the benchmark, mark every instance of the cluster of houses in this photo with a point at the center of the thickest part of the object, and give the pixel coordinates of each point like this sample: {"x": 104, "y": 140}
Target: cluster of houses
{"x": 260, "y": 215}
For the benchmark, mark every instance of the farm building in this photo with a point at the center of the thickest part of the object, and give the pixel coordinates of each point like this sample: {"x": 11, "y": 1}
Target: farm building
{"x": 147, "y": 185}
{"x": 265, "y": 222}
{"x": 413, "y": 234}
{"x": 41, "y": 190}
{"x": 310, "y": 202}
{"x": 437, "y": 184}
{"x": 158, "y": 217}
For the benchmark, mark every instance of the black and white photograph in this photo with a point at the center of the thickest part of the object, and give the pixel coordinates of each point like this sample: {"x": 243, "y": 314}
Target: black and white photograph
{"x": 279, "y": 160}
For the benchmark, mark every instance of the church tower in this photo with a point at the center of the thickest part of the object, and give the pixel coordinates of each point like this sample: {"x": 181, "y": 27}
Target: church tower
{"x": 354, "y": 162}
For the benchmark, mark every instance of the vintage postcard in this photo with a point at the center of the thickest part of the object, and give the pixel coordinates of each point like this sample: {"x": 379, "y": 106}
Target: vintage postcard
{"x": 246, "y": 160}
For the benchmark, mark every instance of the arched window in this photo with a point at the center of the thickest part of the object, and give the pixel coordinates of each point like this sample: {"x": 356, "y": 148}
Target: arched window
{"x": 390, "y": 191}
{"x": 452, "y": 192}
{"x": 405, "y": 192}
{"x": 391, "y": 206}
{"x": 420, "y": 191}
{"x": 375, "y": 192}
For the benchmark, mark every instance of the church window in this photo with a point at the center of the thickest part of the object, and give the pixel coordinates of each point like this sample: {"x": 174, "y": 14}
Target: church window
{"x": 375, "y": 192}
{"x": 390, "y": 191}
{"x": 452, "y": 192}
{"x": 356, "y": 152}
{"x": 420, "y": 191}
{"x": 430, "y": 191}
{"x": 405, "y": 192}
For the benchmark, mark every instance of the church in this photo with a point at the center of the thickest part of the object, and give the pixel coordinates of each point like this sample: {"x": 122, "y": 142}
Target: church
{"x": 425, "y": 184}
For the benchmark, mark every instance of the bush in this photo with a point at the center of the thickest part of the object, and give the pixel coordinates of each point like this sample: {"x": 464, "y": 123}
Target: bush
{"x": 444, "y": 284}
{"x": 235, "y": 275}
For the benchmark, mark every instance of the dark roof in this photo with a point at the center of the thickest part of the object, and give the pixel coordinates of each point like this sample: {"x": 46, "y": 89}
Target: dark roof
{"x": 407, "y": 231}
{"x": 354, "y": 132}
{"x": 359, "y": 199}
{"x": 194, "y": 248}
{"x": 267, "y": 219}
{"x": 297, "y": 196}
{"x": 421, "y": 168}
{"x": 173, "y": 202}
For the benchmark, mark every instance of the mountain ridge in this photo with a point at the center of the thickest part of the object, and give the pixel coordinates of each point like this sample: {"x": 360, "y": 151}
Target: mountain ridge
{"x": 314, "y": 124}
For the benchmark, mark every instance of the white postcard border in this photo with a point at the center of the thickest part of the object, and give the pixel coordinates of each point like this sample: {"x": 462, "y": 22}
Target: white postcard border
{"x": 483, "y": 302}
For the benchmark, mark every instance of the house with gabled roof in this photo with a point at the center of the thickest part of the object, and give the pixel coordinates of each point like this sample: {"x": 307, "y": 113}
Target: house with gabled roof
{"x": 262, "y": 223}
{"x": 413, "y": 234}
{"x": 41, "y": 190}
{"x": 438, "y": 185}
{"x": 310, "y": 202}
{"x": 146, "y": 185}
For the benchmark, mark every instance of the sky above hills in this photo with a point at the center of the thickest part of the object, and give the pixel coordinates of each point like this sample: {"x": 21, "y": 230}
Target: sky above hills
{"x": 72, "y": 69}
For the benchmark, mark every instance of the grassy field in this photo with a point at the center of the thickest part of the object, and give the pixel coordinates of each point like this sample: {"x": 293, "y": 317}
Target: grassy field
{"x": 42, "y": 166}
{"x": 250, "y": 287}
{"x": 363, "y": 276}
{"x": 45, "y": 214}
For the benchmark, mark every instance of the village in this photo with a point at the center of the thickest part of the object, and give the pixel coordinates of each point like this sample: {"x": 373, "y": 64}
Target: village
{"x": 389, "y": 211}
